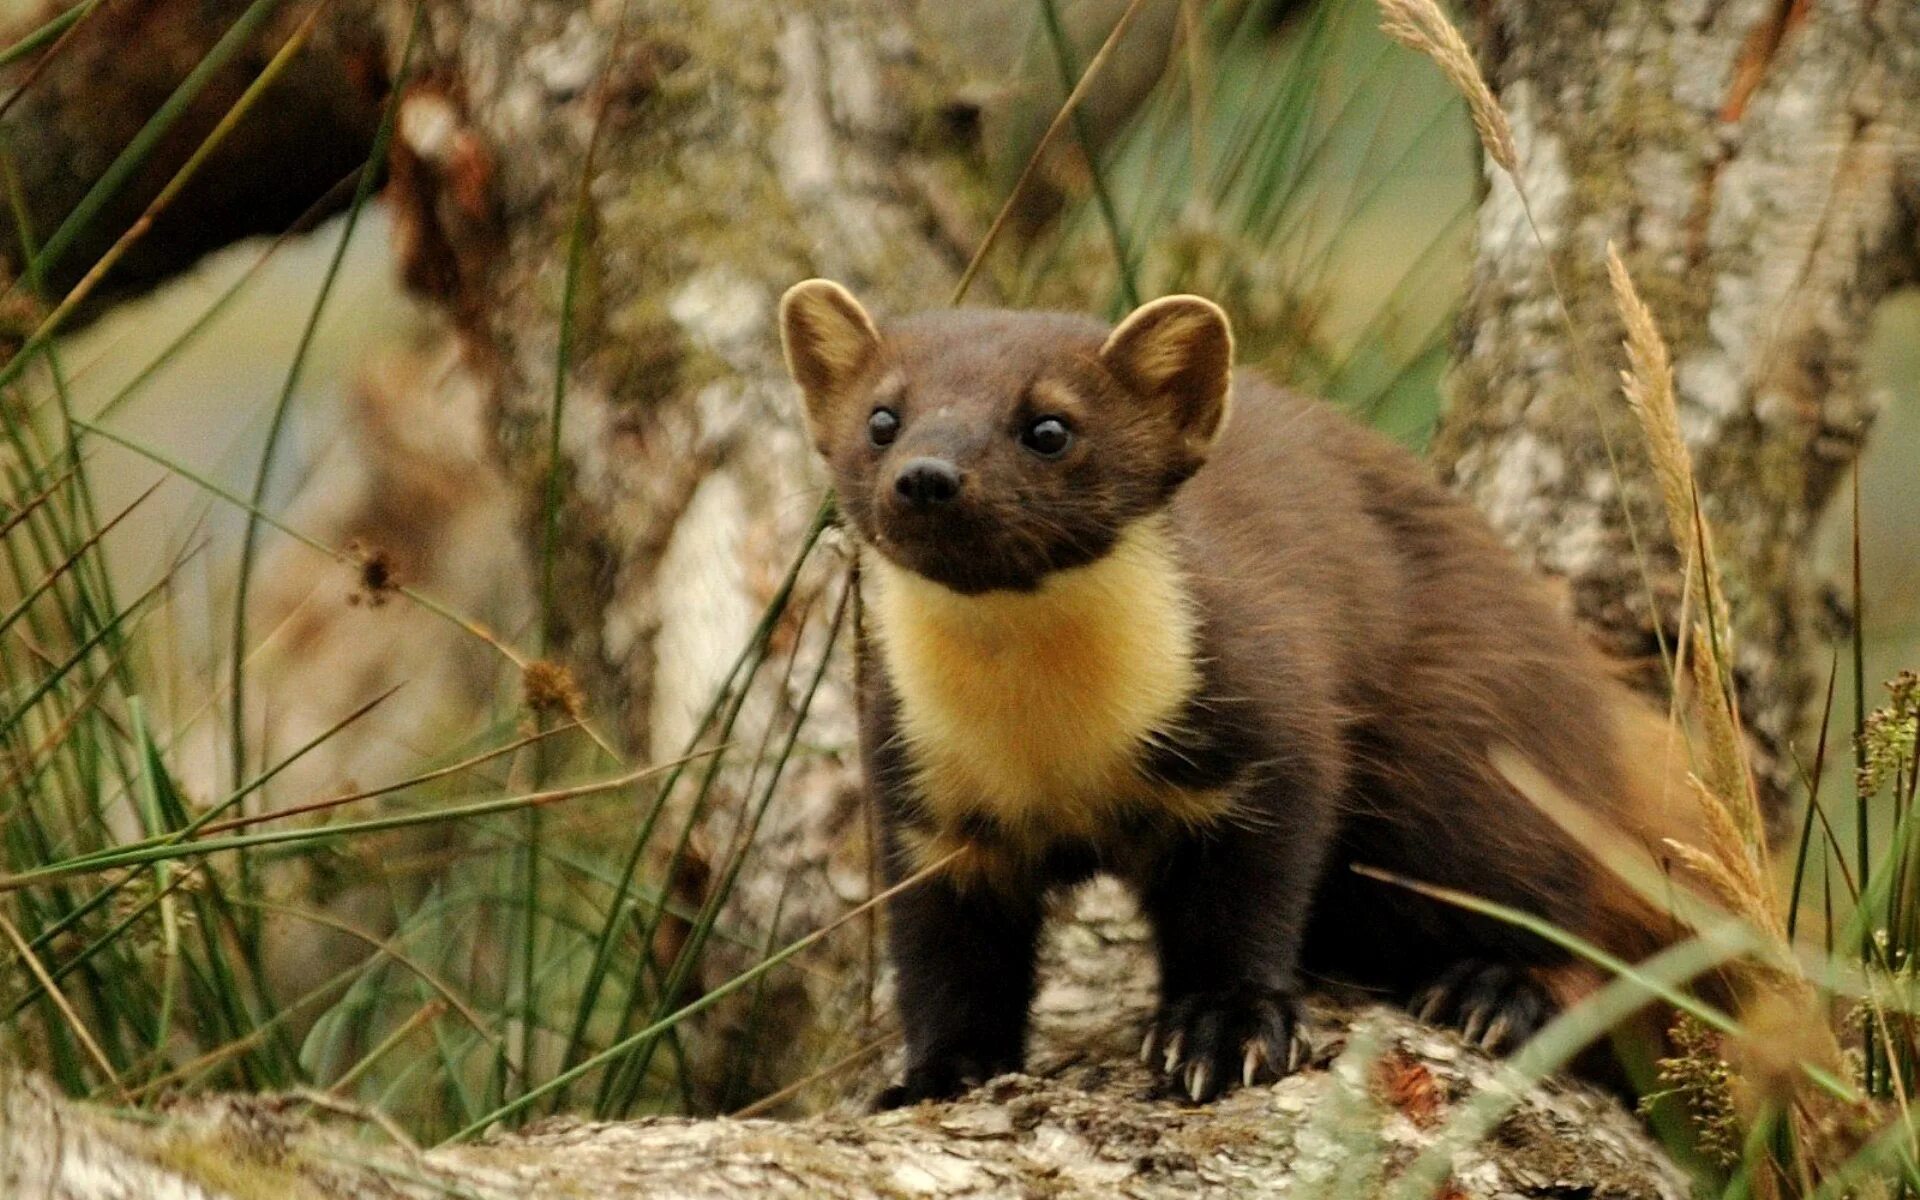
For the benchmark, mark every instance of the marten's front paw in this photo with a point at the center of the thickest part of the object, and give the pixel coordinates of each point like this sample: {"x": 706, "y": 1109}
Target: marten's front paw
{"x": 1204, "y": 1043}
{"x": 1494, "y": 1006}
{"x": 940, "y": 1078}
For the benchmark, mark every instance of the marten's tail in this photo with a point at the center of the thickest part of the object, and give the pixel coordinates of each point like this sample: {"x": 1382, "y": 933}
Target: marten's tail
{"x": 1645, "y": 896}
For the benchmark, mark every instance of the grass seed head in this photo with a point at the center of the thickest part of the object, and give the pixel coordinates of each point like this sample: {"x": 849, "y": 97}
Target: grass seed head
{"x": 549, "y": 690}
{"x": 1421, "y": 26}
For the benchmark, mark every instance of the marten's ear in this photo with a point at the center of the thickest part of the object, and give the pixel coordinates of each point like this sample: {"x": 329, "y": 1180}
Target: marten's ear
{"x": 829, "y": 340}
{"x": 1177, "y": 351}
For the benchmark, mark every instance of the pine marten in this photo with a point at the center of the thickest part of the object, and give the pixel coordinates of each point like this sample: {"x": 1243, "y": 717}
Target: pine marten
{"x": 1127, "y": 611}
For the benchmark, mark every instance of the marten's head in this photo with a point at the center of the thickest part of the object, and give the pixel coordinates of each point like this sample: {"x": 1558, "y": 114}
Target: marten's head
{"x": 984, "y": 449}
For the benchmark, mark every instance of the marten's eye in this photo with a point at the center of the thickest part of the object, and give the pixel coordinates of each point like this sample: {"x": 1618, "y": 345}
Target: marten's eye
{"x": 882, "y": 427}
{"x": 1048, "y": 437}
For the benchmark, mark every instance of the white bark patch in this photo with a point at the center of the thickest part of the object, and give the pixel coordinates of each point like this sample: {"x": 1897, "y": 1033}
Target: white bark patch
{"x": 568, "y": 65}
{"x": 727, "y": 314}
{"x": 520, "y": 109}
{"x": 1668, "y": 174}
{"x": 710, "y": 616}
{"x": 1529, "y": 470}
{"x": 427, "y": 123}
{"x": 1709, "y": 55}
{"x": 585, "y": 433}
{"x": 1715, "y": 390}
{"x": 1080, "y": 1162}
{"x": 106, "y": 1179}
{"x": 936, "y": 1174}
{"x": 803, "y": 144}
{"x": 1583, "y": 543}
{"x": 859, "y": 101}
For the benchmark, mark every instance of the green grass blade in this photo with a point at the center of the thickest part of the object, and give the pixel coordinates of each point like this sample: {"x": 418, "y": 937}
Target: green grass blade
{"x": 1102, "y": 195}
{"x": 733, "y": 684}
{"x": 695, "y": 944}
{"x": 48, "y": 33}
{"x": 151, "y": 854}
{"x": 626, "y": 1045}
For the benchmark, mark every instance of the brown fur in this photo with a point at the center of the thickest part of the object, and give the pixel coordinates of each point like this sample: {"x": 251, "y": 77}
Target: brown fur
{"x": 1352, "y": 641}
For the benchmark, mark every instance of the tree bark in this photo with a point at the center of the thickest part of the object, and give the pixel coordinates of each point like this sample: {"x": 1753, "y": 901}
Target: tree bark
{"x": 740, "y": 146}
{"x": 1750, "y": 160}
{"x": 1085, "y": 1125}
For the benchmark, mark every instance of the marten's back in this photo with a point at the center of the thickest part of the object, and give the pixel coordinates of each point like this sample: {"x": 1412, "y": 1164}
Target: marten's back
{"x": 1377, "y": 620}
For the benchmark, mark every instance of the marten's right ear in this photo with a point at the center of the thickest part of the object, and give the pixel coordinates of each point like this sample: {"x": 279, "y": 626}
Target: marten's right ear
{"x": 1177, "y": 351}
{"x": 829, "y": 340}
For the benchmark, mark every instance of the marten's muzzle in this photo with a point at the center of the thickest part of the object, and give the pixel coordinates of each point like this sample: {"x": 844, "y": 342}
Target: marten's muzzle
{"x": 926, "y": 482}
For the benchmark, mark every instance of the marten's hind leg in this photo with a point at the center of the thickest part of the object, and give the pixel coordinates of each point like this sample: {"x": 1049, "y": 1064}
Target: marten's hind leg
{"x": 1494, "y": 1005}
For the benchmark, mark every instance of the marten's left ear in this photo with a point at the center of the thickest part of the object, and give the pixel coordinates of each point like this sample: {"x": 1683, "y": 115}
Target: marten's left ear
{"x": 1177, "y": 351}
{"x": 829, "y": 340}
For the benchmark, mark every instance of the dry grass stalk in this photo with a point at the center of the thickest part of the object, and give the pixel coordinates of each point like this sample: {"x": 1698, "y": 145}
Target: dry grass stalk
{"x": 1726, "y": 767}
{"x": 1732, "y": 846}
{"x": 1734, "y": 861}
{"x": 1421, "y": 26}
{"x": 1648, "y": 385}
{"x": 1067, "y": 107}
{"x": 1725, "y": 888}
{"x": 73, "y": 1019}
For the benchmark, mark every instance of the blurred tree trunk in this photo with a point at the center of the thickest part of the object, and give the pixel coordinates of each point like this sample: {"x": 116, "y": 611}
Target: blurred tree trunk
{"x": 736, "y": 146}
{"x": 1755, "y": 162}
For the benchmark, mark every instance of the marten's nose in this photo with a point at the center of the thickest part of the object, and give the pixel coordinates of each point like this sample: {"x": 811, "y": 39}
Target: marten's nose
{"x": 924, "y": 482}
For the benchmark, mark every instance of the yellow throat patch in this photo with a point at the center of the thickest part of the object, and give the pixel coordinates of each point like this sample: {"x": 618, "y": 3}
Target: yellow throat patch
{"x": 1030, "y": 707}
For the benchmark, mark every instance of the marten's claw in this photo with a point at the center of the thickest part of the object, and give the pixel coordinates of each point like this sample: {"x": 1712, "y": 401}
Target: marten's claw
{"x": 1206, "y": 1044}
{"x": 1299, "y": 1050}
{"x": 1199, "y": 1082}
{"x": 1494, "y": 1006}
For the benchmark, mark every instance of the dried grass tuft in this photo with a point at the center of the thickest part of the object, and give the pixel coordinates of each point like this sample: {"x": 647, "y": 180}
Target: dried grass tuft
{"x": 1421, "y": 26}
{"x": 549, "y": 690}
{"x": 1711, "y": 870}
{"x": 1739, "y": 870}
{"x": 1774, "y": 994}
{"x": 1726, "y": 761}
{"x": 1648, "y": 384}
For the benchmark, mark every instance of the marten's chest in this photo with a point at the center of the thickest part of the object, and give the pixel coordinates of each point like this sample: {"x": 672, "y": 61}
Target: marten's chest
{"x": 1027, "y": 717}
